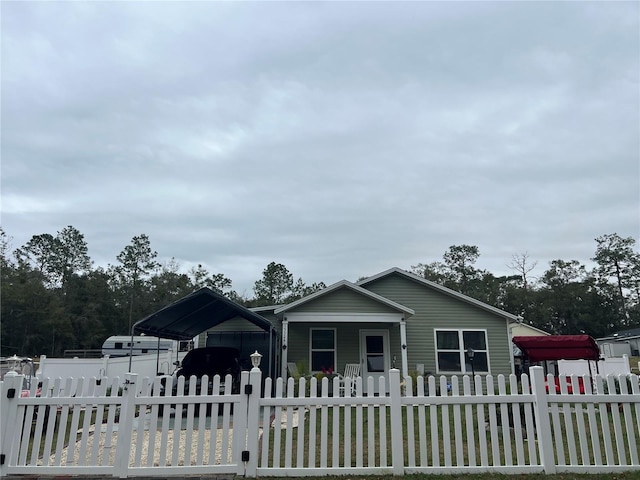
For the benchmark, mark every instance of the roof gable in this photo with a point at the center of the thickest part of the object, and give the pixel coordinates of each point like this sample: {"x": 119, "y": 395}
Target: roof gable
{"x": 344, "y": 284}
{"x": 434, "y": 286}
{"x": 528, "y": 328}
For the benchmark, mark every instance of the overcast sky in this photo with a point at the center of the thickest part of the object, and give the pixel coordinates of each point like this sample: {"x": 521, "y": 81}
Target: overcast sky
{"x": 339, "y": 139}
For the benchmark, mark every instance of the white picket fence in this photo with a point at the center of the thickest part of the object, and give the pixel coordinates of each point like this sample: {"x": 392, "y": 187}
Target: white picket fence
{"x": 147, "y": 365}
{"x": 508, "y": 425}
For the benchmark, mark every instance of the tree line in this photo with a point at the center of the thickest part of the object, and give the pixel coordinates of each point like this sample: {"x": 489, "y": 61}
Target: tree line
{"x": 568, "y": 298}
{"x": 54, "y": 299}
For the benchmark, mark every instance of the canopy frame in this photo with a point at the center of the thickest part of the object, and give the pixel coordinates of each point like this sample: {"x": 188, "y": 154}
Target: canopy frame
{"x": 558, "y": 347}
{"x": 197, "y": 312}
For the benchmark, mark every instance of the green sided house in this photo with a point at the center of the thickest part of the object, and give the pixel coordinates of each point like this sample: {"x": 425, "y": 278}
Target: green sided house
{"x": 394, "y": 319}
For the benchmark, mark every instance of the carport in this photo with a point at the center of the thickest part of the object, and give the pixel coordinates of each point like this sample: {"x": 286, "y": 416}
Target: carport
{"x": 200, "y": 311}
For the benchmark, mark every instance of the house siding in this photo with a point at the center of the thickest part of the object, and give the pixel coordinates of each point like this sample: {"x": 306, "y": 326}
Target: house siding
{"x": 269, "y": 315}
{"x": 520, "y": 329}
{"x": 347, "y": 301}
{"x": 437, "y": 310}
{"x": 241, "y": 333}
{"x": 342, "y": 301}
{"x": 239, "y": 324}
{"x": 347, "y": 341}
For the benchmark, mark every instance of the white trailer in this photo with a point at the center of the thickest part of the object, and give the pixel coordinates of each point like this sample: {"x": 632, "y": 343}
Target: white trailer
{"x": 123, "y": 345}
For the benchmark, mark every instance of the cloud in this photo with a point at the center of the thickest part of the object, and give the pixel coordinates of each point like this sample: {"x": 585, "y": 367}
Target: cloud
{"x": 337, "y": 138}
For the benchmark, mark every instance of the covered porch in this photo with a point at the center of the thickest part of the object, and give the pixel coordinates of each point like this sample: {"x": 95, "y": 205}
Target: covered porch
{"x": 320, "y": 340}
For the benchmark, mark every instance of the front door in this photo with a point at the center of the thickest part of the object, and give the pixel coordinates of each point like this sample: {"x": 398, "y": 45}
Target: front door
{"x": 374, "y": 352}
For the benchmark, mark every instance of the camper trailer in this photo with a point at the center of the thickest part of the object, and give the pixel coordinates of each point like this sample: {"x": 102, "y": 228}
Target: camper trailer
{"x": 121, "y": 345}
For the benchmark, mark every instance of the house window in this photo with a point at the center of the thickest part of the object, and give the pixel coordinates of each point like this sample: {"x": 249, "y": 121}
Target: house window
{"x": 451, "y": 351}
{"x": 323, "y": 349}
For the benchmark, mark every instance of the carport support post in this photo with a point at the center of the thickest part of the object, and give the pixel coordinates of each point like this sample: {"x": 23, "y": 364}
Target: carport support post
{"x": 131, "y": 344}
{"x": 271, "y": 352}
{"x": 543, "y": 425}
{"x": 158, "y": 356}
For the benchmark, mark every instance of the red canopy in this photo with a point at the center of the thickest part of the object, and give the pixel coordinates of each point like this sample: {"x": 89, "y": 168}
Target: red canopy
{"x": 558, "y": 347}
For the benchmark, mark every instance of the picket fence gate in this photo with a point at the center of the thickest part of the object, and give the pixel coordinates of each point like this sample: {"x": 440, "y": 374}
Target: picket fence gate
{"x": 299, "y": 428}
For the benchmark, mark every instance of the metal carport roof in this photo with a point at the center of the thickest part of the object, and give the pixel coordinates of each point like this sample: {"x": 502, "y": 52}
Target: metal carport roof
{"x": 195, "y": 313}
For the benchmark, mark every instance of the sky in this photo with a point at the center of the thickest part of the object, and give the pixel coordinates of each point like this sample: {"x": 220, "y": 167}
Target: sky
{"x": 337, "y": 138}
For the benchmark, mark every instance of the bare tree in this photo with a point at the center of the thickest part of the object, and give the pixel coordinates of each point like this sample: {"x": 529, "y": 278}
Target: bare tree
{"x": 520, "y": 263}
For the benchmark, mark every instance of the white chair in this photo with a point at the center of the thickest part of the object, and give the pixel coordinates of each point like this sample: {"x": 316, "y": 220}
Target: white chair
{"x": 351, "y": 371}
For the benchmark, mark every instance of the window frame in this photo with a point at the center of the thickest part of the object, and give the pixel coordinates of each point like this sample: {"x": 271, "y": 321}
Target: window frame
{"x": 312, "y": 350}
{"x": 461, "y": 350}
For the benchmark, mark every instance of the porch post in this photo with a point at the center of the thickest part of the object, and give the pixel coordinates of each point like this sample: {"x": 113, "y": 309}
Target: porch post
{"x": 285, "y": 346}
{"x": 403, "y": 347}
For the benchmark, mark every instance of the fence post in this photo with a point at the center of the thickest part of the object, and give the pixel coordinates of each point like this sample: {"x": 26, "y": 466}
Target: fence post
{"x": 543, "y": 425}
{"x": 41, "y": 365}
{"x": 11, "y": 390}
{"x": 397, "y": 435}
{"x": 125, "y": 425}
{"x": 240, "y": 412}
{"x": 253, "y": 420}
{"x": 627, "y": 365}
{"x": 104, "y": 371}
